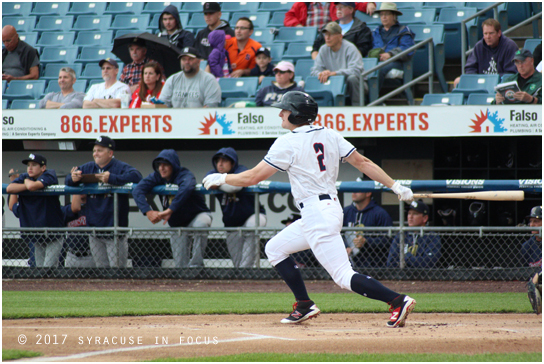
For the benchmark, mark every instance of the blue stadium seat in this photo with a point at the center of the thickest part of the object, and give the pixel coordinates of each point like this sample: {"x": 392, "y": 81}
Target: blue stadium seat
{"x": 276, "y": 51}
{"x": 263, "y": 36}
{"x": 51, "y": 71}
{"x": 371, "y": 21}
{"x": 475, "y": 31}
{"x": 30, "y": 38}
{"x": 24, "y": 104}
{"x": 54, "y": 23}
{"x": 421, "y": 56}
{"x": 369, "y": 63}
{"x": 259, "y": 20}
{"x": 517, "y": 12}
{"x": 24, "y": 90}
{"x": 303, "y": 67}
{"x": 373, "y": 84}
{"x": 276, "y": 20}
{"x": 191, "y": 7}
{"x": 483, "y": 84}
{"x": 5, "y": 104}
{"x": 505, "y": 75}
{"x": 531, "y": 44}
{"x": 330, "y": 93}
{"x": 442, "y": 99}
{"x": 231, "y": 100}
{"x": 87, "y": 8}
{"x": 66, "y": 54}
{"x": 53, "y": 86}
{"x": 158, "y": 7}
{"x": 50, "y": 8}
{"x": 480, "y": 99}
{"x": 438, "y": 6}
{"x": 93, "y": 82}
{"x": 417, "y": 16}
{"x": 4, "y": 84}
{"x": 296, "y": 34}
{"x": 137, "y": 22}
{"x": 276, "y": 6}
{"x": 203, "y": 64}
{"x": 25, "y": 24}
{"x": 94, "y": 54}
{"x": 121, "y": 32}
{"x": 249, "y": 6}
{"x": 451, "y": 19}
{"x": 53, "y": 39}
{"x": 87, "y": 38}
{"x": 238, "y": 87}
{"x": 116, "y": 8}
{"x": 154, "y": 24}
{"x": 92, "y": 71}
{"x": 16, "y": 8}
{"x": 296, "y": 51}
{"x": 410, "y": 5}
{"x": 92, "y": 22}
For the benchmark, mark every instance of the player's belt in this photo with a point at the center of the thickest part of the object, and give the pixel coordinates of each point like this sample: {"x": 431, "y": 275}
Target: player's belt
{"x": 321, "y": 198}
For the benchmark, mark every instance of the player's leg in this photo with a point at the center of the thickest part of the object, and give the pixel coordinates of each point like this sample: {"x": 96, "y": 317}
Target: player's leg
{"x": 39, "y": 253}
{"x": 202, "y": 220}
{"x": 234, "y": 246}
{"x": 180, "y": 248}
{"x": 99, "y": 252}
{"x": 117, "y": 251}
{"x": 52, "y": 252}
{"x": 250, "y": 242}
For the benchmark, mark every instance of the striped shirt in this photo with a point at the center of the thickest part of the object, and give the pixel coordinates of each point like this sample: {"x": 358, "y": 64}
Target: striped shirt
{"x": 318, "y": 15}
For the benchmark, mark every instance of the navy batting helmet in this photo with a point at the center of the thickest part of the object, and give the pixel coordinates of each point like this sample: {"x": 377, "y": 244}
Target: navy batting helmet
{"x": 302, "y": 106}
{"x": 536, "y": 212}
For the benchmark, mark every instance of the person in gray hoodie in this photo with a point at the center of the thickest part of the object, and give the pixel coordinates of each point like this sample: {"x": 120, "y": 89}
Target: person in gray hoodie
{"x": 186, "y": 208}
{"x": 170, "y": 27}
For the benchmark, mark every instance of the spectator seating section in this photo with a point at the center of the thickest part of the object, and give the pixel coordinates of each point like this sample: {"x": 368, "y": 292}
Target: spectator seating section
{"x": 410, "y": 5}
{"x": 50, "y": 8}
{"x": 54, "y": 23}
{"x": 153, "y": 26}
{"x": 30, "y": 38}
{"x": 4, "y": 104}
{"x": 116, "y": 8}
{"x": 25, "y": 104}
{"x": 372, "y": 21}
{"x": 53, "y": 86}
{"x": 23, "y": 24}
{"x": 93, "y": 71}
{"x": 93, "y": 82}
{"x": 60, "y": 39}
{"x": 66, "y": 54}
{"x": 86, "y": 38}
{"x": 303, "y": 67}
{"x": 24, "y": 89}
{"x": 276, "y": 20}
{"x": 408, "y": 71}
{"x": 250, "y": 7}
{"x": 4, "y": 84}
{"x": 442, "y": 99}
{"x": 276, "y": 6}
{"x": 296, "y": 51}
{"x": 92, "y": 23}
{"x": 276, "y": 51}
{"x": 87, "y": 8}
{"x": 259, "y": 20}
{"x": 197, "y": 21}
{"x": 517, "y": 12}
{"x": 267, "y": 81}
{"x": 192, "y": 7}
{"x": 263, "y": 36}
{"x": 475, "y": 31}
{"x": 94, "y": 54}
{"x": 130, "y": 21}
{"x": 451, "y": 19}
{"x": 16, "y": 9}
{"x": 480, "y": 99}
{"x": 330, "y": 93}
{"x": 232, "y": 100}
{"x": 417, "y": 16}
{"x": 438, "y": 5}
{"x": 482, "y": 84}
{"x": 121, "y": 32}
{"x": 296, "y": 34}
{"x": 51, "y": 71}
{"x": 531, "y": 44}
{"x": 421, "y": 56}
{"x": 238, "y": 87}
{"x": 158, "y": 7}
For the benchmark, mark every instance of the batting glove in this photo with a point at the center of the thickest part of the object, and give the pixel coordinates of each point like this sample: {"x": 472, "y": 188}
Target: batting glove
{"x": 404, "y": 193}
{"x": 214, "y": 179}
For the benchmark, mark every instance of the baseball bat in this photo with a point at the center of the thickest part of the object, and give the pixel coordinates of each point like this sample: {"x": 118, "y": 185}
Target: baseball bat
{"x": 482, "y": 195}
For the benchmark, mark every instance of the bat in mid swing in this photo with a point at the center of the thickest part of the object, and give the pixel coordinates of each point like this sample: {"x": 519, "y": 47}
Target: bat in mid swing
{"x": 482, "y": 195}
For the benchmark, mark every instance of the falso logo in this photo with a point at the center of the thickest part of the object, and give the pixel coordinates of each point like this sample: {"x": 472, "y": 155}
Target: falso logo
{"x": 488, "y": 123}
{"x": 216, "y": 125}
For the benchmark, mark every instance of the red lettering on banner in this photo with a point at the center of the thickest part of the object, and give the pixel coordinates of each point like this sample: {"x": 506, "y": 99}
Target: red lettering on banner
{"x": 412, "y": 120}
{"x": 124, "y": 120}
{"x": 367, "y": 126}
{"x": 401, "y": 122}
{"x": 340, "y": 124}
{"x": 318, "y": 120}
{"x": 146, "y": 124}
{"x": 328, "y": 121}
{"x": 378, "y": 119}
{"x": 390, "y": 122}
{"x": 166, "y": 119}
{"x": 87, "y": 124}
{"x": 157, "y": 119}
{"x": 113, "y": 124}
{"x": 135, "y": 123}
{"x": 356, "y": 122}
{"x": 102, "y": 124}
{"x": 425, "y": 125}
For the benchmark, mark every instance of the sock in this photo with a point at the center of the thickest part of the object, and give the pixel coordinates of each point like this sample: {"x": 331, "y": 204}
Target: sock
{"x": 371, "y": 288}
{"x": 290, "y": 273}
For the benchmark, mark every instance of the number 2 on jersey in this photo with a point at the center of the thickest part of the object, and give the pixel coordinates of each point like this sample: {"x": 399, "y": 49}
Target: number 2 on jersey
{"x": 320, "y": 149}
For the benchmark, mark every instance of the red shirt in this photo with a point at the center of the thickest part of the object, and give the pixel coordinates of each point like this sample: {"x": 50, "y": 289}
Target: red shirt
{"x": 244, "y": 58}
{"x": 136, "y": 102}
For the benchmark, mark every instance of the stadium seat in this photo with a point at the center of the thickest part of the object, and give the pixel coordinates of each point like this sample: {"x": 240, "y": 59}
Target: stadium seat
{"x": 203, "y": 64}
{"x": 369, "y": 63}
{"x": 238, "y": 87}
{"x": 54, "y": 39}
{"x": 451, "y": 19}
{"x": 276, "y": 21}
{"x": 249, "y": 6}
{"x": 54, "y": 23}
{"x": 417, "y": 16}
{"x": 25, "y": 90}
{"x": 483, "y": 84}
{"x": 517, "y": 12}
{"x": 86, "y": 38}
{"x": 116, "y": 8}
{"x": 24, "y": 104}
{"x": 259, "y": 20}
{"x": 94, "y": 54}
{"x": 276, "y": 6}
{"x": 16, "y": 8}
{"x": 330, "y": 93}
{"x": 373, "y": 84}
{"x": 66, "y": 54}
{"x": 531, "y": 44}
{"x": 87, "y": 8}
{"x": 93, "y": 82}
{"x": 372, "y": 21}
{"x": 475, "y": 31}
{"x": 92, "y": 71}
{"x": 30, "y": 38}
{"x": 53, "y": 86}
{"x": 263, "y": 36}
{"x": 23, "y": 24}
{"x": 442, "y": 99}
{"x": 232, "y": 100}
{"x": 191, "y": 7}
{"x": 304, "y": 67}
{"x": 421, "y": 56}
{"x": 137, "y": 22}
{"x": 5, "y": 104}
{"x": 296, "y": 34}
{"x": 50, "y": 8}
{"x": 51, "y": 71}
{"x": 121, "y": 32}
{"x": 158, "y": 7}
{"x": 296, "y": 51}
{"x": 92, "y": 22}
{"x": 410, "y": 5}
{"x": 4, "y": 84}
{"x": 438, "y": 6}
{"x": 276, "y": 51}
{"x": 480, "y": 99}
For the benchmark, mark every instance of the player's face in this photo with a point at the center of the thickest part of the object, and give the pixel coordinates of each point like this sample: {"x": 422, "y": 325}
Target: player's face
{"x": 533, "y": 221}
{"x": 169, "y": 22}
{"x": 416, "y": 218}
{"x": 285, "y": 123}
{"x": 491, "y": 36}
{"x": 102, "y": 155}
{"x": 34, "y": 169}
{"x": 224, "y": 165}
{"x": 166, "y": 169}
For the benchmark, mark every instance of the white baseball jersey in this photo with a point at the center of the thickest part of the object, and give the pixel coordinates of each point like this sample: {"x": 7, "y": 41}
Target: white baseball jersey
{"x": 311, "y": 157}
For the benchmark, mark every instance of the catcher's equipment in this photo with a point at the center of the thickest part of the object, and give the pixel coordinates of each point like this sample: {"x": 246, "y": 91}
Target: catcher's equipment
{"x": 534, "y": 291}
{"x": 302, "y": 106}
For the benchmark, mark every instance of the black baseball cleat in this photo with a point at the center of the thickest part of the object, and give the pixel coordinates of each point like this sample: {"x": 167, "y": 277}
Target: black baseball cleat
{"x": 302, "y": 311}
{"x": 400, "y": 309}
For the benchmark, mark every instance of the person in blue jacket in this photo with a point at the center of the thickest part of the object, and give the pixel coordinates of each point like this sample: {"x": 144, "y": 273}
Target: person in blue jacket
{"x": 38, "y": 210}
{"x": 393, "y": 38}
{"x": 107, "y": 170}
{"x": 185, "y": 209}
{"x": 366, "y": 251}
{"x": 420, "y": 251}
{"x": 531, "y": 250}
{"x": 238, "y": 209}
{"x": 78, "y": 252}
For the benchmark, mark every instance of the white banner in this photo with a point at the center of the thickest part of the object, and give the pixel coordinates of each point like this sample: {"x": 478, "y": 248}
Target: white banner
{"x": 229, "y": 123}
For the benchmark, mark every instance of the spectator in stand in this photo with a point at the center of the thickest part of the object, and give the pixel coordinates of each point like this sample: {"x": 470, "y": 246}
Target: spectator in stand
{"x": 339, "y": 57}
{"x": 285, "y": 82}
{"x": 318, "y": 14}
{"x": 365, "y": 212}
{"x": 218, "y": 60}
{"x": 186, "y": 209}
{"x": 491, "y": 55}
{"x": 537, "y": 56}
{"x": 238, "y": 209}
{"x": 150, "y": 84}
{"x": 263, "y": 67}
{"x": 107, "y": 94}
{"x": 212, "y": 16}
{"x": 132, "y": 72}
{"x": 531, "y": 250}
{"x": 420, "y": 251}
{"x": 20, "y": 61}
{"x": 79, "y": 252}
{"x": 66, "y": 98}
{"x": 191, "y": 87}
{"x": 242, "y": 49}
{"x": 529, "y": 81}
{"x": 390, "y": 39}
{"x": 106, "y": 169}
{"x": 37, "y": 210}
{"x": 170, "y": 27}
{"x": 353, "y": 30}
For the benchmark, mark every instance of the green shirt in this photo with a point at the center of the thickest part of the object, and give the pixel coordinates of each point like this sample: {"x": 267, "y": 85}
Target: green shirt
{"x": 533, "y": 86}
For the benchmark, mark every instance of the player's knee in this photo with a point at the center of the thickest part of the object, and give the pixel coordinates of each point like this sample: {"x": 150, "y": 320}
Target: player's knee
{"x": 343, "y": 278}
{"x": 273, "y": 255}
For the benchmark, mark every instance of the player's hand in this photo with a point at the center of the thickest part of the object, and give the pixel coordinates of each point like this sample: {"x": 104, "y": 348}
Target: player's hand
{"x": 214, "y": 179}
{"x": 76, "y": 175}
{"x": 165, "y": 215}
{"x": 153, "y": 216}
{"x": 13, "y": 174}
{"x": 103, "y": 177}
{"x": 404, "y": 193}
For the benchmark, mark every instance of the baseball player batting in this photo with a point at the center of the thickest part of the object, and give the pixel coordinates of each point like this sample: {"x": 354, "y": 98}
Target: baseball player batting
{"x": 311, "y": 157}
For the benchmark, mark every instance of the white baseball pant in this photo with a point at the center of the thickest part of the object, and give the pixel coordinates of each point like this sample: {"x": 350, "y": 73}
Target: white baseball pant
{"x": 242, "y": 246}
{"x": 107, "y": 254}
{"x": 47, "y": 254}
{"x": 181, "y": 245}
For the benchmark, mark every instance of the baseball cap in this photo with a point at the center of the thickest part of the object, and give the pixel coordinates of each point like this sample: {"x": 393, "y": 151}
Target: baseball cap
{"x": 38, "y": 158}
{"x": 522, "y": 54}
{"x": 536, "y": 212}
{"x": 104, "y": 141}
{"x": 111, "y": 61}
{"x": 138, "y": 41}
{"x": 347, "y": 4}
{"x": 264, "y": 51}
{"x": 285, "y": 66}
{"x": 291, "y": 218}
{"x": 419, "y": 206}
{"x": 211, "y": 7}
{"x": 189, "y": 51}
{"x": 332, "y": 28}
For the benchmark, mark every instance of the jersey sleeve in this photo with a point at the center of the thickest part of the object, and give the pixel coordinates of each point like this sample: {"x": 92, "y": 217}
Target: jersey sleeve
{"x": 280, "y": 155}
{"x": 345, "y": 148}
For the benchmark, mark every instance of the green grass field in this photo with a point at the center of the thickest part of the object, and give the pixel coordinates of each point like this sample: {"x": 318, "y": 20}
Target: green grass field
{"x": 8, "y": 354}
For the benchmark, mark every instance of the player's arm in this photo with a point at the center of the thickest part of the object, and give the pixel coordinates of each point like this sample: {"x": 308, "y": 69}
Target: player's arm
{"x": 260, "y": 172}
{"x": 372, "y": 170}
